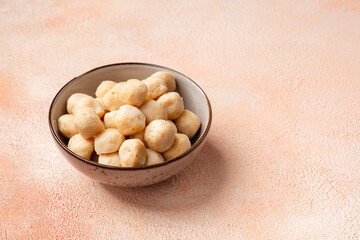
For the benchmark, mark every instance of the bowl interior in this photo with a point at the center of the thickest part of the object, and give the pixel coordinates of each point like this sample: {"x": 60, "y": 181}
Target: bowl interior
{"x": 195, "y": 99}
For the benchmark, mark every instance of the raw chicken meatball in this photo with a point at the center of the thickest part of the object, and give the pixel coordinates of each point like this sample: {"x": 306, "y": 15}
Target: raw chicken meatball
{"x": 129, "y": 120}
{"x": 153, "y": 157}
{"x": 181, "y": 145}
{"x": 81, "y": 146}
{"x": 153, "y": 110}
{"x": 132, "y": 153}
{"x": 112, "y": 98}
{"x": 73, "y": 99}
{"x": 159, "y": 135}
{"x": 67, "y": 126}
{"x": 87, "y": 122}
{"x": 173, "y": 104}
{"x": 168, "y": 78}
{"x": 108, "y": 141}
{"x": 91, "y": 103}
{"x": 156, "y": 87}
{"x": 111, "y": 159}
{"x": 110, "y": 119}
{"x": 134, "y": 92}
{"x": 188, "y": 123}
{"x": 104, "y": 87}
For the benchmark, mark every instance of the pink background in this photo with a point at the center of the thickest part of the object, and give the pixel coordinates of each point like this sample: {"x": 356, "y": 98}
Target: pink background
{"x": 282, "y": 159}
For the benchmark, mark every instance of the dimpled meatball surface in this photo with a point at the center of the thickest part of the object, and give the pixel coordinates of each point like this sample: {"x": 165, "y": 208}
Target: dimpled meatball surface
{"x": 73, "y": 99}
{"x": 129, "y": 120}
{"x": 153, "y": 110}
{"x": 89, "y": 103}
{"x": 110, "y": 119}
{"x": 153, "y": 157}
{"x": 81, "y": 146}
{"x": 111, "y": 159}
{"x": 104, "y": 87}
{"x": 67, "y": 126}
{"x": 168, "y": 78}
{"x": 173, "y": 104}
{"x": 188, "y": 123}
{"x": 181, "y": 145}
{"x": 112, "y": 99}
{"x": 159, "y": 135}
{"x": 87, "y": 122}
{"x": 132, "y": 153}
{"x": 156, "y": 87}
{"x": 108, "y": 141}
{"x": 133, "y": 92}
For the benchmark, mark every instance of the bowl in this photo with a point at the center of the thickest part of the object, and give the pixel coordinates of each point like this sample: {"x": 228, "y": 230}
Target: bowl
{"x": 195, "y": 100}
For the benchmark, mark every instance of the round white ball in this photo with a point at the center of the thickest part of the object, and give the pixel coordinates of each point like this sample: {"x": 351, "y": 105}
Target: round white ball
{"x": 153, "y": 110}
{"x": 156, "y": 87}
{"x": 168, "y": 78}
{"x": 181, "y": 145}
{"x": 129, "y": 120}
{"x": 111, "y": 159}
{"x": 104, "y": 87}
{"x": 133, "y": 92}
{"x": 188, "y": 123}
{"x": 108, "y": 141}
{"x": 81, "y": 146}
{"x": 89, "y": 102}
{"x": 159, "y": 135}
{"x": 153, "y": 157}
{"x": 67, "y": 126}
{"x": 74, "y": 99}
{"x": 132, "y": 153}
{"x": 112, "y": 98}
{"x": 87, "y": 122}
{"x": 110, "y": 119}
{"x": 173, "y": 104}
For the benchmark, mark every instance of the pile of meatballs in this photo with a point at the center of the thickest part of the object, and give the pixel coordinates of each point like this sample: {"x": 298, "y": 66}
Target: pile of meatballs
{"x": 130, "y": 124}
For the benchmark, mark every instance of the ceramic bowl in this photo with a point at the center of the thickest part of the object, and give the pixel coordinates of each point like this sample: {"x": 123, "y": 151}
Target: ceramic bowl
{"x": 195, "y": 100}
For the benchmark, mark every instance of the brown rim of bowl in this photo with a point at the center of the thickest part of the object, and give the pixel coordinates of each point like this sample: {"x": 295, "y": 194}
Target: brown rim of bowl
{"x": 201, "y": 138}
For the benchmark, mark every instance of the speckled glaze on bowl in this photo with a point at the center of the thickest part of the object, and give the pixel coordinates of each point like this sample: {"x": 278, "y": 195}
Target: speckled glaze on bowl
{"x": 194, "y": 99}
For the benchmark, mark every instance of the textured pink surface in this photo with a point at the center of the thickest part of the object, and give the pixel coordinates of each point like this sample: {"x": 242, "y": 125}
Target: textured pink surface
{"x": 282, "y": 160}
